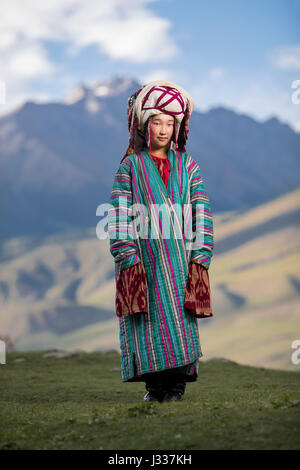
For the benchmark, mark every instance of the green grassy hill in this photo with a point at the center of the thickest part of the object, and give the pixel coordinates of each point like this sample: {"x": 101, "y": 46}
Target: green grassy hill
{"x": 80, "y": 402}
{"x": 60, "y": 291}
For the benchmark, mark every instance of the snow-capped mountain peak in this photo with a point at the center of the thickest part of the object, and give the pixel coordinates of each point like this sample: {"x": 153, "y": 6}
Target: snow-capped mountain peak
{"x": 99, "y": 89}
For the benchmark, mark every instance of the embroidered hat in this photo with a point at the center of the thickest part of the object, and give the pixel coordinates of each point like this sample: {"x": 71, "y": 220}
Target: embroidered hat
{"x": 158, "y": 97}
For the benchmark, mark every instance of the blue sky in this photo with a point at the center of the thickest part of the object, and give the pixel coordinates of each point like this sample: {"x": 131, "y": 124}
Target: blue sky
{"x": 241, "y": 54}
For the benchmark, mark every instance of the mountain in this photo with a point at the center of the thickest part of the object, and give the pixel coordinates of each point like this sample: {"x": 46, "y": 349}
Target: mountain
{"x": 61, "y": 292}
{"x": 57, "y": 160}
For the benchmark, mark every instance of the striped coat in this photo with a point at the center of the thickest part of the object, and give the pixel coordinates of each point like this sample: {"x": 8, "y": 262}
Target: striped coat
{"x": 180, "y": 229}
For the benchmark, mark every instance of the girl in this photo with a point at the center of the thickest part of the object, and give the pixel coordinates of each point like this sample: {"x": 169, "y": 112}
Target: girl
{"x": 161, "y": 263}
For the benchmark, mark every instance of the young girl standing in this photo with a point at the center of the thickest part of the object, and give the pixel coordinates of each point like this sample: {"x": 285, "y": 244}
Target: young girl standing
{"x": 162, "y": 282}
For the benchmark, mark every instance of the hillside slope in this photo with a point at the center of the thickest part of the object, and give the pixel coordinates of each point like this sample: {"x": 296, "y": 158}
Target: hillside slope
{"x": 80, "y": 402}
{"x": 61, "y": 293}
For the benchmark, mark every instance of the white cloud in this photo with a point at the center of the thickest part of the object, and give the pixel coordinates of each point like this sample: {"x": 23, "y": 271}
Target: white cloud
{"x": 29, "y": 61}
{"x": 158, "y": 74}
{"x": 122, "y": 29}
{"x": 286, "y": 57}
{"x": 129, "y": 32}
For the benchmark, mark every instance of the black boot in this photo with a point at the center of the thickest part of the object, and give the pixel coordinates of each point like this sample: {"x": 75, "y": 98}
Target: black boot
{"x": 175, "y": 387}
{"x": 155, "y": 388}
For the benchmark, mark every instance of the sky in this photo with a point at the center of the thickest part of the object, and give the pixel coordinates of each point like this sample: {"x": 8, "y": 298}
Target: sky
{"x": 240, "y": 54}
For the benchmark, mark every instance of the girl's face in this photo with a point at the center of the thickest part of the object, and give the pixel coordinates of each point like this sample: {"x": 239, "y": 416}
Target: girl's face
{"x": 162, "y": 126}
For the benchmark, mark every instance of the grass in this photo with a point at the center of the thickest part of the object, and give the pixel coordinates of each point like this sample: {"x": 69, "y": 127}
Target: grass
{"x": 80, "y": 402}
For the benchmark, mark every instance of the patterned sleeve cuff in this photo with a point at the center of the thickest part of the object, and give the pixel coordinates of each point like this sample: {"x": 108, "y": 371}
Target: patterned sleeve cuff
{"x": 197, "y": 293}
{"x": 131, "y": 291}
{"x": 199, "y": 262}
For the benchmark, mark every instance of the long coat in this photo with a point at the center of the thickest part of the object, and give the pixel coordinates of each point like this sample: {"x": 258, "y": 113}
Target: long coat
{"x": 166, "y": 336}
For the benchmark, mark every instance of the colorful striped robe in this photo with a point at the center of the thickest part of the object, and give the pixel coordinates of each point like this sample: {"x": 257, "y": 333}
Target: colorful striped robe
{"x": 166, "y": 336}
